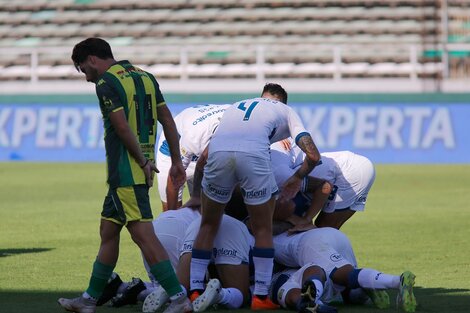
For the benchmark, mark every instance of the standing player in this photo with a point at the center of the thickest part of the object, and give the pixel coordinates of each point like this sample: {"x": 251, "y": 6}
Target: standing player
{"x": 330, "y": 249}
{"x": 239, "y": 154}
{"x": 131, "y": 102}
{"x": 195, "y": 126}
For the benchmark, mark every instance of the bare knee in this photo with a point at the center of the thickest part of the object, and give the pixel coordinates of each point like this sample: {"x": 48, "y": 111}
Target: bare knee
{"x": 326, "y": 188}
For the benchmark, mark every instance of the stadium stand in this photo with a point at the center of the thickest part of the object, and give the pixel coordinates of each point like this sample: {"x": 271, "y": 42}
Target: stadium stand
{"x": 241, "y": 38}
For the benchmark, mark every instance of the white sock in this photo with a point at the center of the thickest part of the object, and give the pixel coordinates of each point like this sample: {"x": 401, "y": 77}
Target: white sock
{"x": 263, "y": 274}
{"x": 199, "y": 268}
{"x": 231, "y": 298}
{"x": 87, "y": 296}
{"x": 373, "y": 279}
{"x": 319, "y": 287}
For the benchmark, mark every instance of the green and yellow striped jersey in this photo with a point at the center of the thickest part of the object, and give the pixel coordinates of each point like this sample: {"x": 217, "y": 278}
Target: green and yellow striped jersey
{"x": 126, "y": 87}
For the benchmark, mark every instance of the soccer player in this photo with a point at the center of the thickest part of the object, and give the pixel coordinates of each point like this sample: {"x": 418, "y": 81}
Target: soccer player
{"x": 238, "y": 153}
{"x": 195, "y": 126}
{"x": 331, "y": 250}
{"x": 230, "y": 256}
{"x": 131, "y": 103}
{"x": 350, "y": 175}
{"x": 170, "y": 228}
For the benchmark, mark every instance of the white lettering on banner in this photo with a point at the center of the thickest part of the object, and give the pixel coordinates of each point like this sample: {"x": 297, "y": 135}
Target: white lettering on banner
{"x": 440, "y": 129}
{"x": 4, "y": 115}
{"x": 341, "y": 123}
{"x": 366, "y": 127}
{"x": 95, "y": 126}
{"x": 314, "y": 119}
{"x": 389, "y": 124}
{"x": 51, "y": 127}
{"x": 375, "y": 127}
{"x": 417, "y": 116}
{"x": 24, "y": 122}
{"x": 70, "y": 121}
{"x": 47, "y": 128}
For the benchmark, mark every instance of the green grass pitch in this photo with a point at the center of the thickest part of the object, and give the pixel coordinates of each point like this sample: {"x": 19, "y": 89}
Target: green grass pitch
{"x": 417, "y": 218}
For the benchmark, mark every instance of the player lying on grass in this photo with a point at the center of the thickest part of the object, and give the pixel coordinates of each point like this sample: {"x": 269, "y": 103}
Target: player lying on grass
{"x": 231, "y": 259}
{"x": 350, "y": 177}
{"x": 331, "y": 250}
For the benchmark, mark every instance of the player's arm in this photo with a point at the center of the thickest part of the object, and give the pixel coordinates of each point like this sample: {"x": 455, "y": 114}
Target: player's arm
{"x": 176, "y": 172}
{"x": 195, "y": 199}
{"x": 118, "y": 120}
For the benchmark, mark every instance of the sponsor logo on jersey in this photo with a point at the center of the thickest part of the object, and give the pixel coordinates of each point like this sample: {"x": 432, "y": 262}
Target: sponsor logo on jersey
{"x": 224, "y": 252}
{"x": 336, "y": 257}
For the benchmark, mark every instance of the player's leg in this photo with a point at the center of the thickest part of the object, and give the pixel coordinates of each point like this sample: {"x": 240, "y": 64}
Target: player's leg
{"x": 163, "y": 163}
{"x": 139, "y": 216}
{"x": 211, "y": 217}
{"x": 217, "y": 184}
{"x": 263, "y": 251}
{"x": 335, "y": 219}
{"x": 375, "y": 283}
{"x": 110, "y": 227}
{"x": 236, "y": 285}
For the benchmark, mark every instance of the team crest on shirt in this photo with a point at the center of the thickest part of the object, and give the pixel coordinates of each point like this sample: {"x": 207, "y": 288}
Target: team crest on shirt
{"x": 335, "y": 257}
{"x": 107, "y": 103}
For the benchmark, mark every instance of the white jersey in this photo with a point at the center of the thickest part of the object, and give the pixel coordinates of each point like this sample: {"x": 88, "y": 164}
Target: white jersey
{"x": 327, "y": 247}
{"x": 195, "y": 126}
{"x": 252, "y": 125}
{"x": 232, "y": 244}
{"x": 170, "y": 227}
{"x": 352, "y": 175}
{"x": 199, "y": 125}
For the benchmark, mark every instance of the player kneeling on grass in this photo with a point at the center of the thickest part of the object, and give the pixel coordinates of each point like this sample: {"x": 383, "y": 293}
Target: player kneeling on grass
{"x": 330, "y": 249}
{"x": 231, "y": 259}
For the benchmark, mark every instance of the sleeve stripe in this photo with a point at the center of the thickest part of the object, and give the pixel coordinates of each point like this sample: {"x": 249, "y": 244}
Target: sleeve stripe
{"x": 117, "y": 109}
{"x": 161, "y": 103}
{"x": 300, "y": 136}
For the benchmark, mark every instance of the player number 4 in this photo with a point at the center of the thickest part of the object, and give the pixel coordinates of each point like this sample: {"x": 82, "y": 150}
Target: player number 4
{"x": 248, "y": 109}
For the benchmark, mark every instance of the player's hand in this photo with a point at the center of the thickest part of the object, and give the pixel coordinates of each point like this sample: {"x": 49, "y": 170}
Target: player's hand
{"x": 149, "y": 171}
{"x": 286, "y": 144}
{"x": 300, "y": 228}
{"x": 177, "y": 175}
{"x": 290, "y": 188}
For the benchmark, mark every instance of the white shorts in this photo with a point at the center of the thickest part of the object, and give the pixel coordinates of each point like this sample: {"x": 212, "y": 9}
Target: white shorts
{"x": 225, "y": 169}
{"x": 295, "y": 281}
{"x": 353, "y": 185}
{"x": 170, "y": 227}
{"x": 327, "y": 247}
{"x": 163, "y": 165}
{"x": 232, "y": 244}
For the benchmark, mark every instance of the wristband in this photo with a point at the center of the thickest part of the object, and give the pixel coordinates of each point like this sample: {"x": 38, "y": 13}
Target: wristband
{"x": 146, "y": 162}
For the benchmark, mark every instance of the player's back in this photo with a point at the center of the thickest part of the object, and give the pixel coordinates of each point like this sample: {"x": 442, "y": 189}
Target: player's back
{"x": 198, "y": 124}
{"x": 252, "y": 124}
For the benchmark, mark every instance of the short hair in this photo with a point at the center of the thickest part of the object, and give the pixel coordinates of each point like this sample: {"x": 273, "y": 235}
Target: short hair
{"x": 91, "y": 46}
{"x": 276, "y": 90}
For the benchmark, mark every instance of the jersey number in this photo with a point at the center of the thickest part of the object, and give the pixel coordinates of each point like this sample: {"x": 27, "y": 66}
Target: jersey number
{"x": 248, "y": 109}
{"x": 146, "y": 107}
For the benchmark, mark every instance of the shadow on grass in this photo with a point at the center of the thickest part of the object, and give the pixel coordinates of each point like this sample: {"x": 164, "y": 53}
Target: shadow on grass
{"x": 430, "y": 300}
{"x": 10, "y": 252}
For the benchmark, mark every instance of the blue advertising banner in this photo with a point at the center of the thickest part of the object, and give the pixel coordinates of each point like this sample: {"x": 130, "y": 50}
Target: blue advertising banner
{"x": 385, "y": 133}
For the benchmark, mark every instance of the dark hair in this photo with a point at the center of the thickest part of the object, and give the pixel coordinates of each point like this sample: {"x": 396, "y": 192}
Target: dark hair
{"x": 91, "y": 46}
{"x": 276, "y": 90}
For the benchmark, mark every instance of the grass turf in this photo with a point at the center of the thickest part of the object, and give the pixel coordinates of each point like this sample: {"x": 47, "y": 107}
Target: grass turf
{"x": 416, "y": 218}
